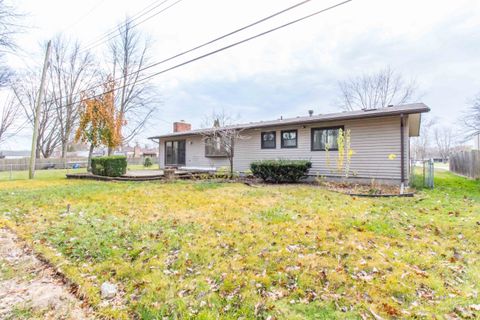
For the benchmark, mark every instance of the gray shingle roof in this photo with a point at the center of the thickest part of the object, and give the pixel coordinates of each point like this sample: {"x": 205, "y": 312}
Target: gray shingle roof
{"x": 358, "y": 114}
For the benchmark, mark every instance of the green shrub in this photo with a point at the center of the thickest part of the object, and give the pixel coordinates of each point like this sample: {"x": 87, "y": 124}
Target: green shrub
{"x": 147, "y": 163}
{"x": 278, "y": 171}
{"x": 223, "y": 173}
{"x": 112, "y": 166}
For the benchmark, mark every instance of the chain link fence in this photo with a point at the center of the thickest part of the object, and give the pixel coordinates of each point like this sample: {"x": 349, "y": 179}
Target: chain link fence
{"x": 422, "y": 173}
{"x": 17, "y": 169}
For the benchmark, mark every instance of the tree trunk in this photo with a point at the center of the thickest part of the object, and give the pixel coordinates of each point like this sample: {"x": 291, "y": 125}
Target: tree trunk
{"x": 64, "y": 153}
{"x": 232, "y": 152}
{"x": 89, "y": 162}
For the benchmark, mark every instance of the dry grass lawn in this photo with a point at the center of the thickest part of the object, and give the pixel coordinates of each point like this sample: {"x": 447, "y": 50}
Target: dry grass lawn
{"x": 208, "y": 250}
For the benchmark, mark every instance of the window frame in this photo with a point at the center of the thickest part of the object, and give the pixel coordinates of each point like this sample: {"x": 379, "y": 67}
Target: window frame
{"x": 179, "y": 141}
{"x": 282, "y": 145}
{"x": 219, "y": 154}
{"x": 262, "y": 142}
{"x": 323, "y": 128}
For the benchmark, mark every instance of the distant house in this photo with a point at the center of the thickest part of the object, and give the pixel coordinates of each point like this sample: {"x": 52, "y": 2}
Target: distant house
{"x": 379, "y": 138}
{"x": 138, "y": 152}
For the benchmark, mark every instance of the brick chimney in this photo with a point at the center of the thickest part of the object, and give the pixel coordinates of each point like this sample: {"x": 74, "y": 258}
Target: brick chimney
{"x": 181, "y": 126}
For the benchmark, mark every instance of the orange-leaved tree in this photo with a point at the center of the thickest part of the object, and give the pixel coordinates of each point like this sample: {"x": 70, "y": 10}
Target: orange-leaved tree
{"x": 100, "y": 123}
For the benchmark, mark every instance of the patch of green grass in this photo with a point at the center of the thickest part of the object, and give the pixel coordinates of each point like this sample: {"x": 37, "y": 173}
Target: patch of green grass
{"x": 138, "y": 167}
{"x": 6, "y": 270}
{"x": 207, "y": 185}
{"x": 22, "y": 313}
{"x": 318, "y": 311}
{"x": 379, "y": 226}
{"x": 39, "y": 174}
{"x": 276, "y": 214}
{"x": 209, "y": 250}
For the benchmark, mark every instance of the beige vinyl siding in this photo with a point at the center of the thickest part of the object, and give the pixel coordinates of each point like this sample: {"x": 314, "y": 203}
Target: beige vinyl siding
{"x": 194, "y": 153}
{"x": 372, "y": 140}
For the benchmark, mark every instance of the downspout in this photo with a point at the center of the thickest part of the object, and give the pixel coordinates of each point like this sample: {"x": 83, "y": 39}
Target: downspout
{"x": 402, "y": 156}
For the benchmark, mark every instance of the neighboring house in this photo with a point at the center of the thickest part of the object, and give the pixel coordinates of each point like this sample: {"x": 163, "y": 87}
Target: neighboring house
{"x": 379, "y": 138}
{"x": 137, "y": 152}
{"x": 132, "y": 152}
{"x": 150, "y": 153}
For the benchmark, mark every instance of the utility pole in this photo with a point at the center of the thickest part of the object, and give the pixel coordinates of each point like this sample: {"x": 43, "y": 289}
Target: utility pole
{"x": 38, "y": 104}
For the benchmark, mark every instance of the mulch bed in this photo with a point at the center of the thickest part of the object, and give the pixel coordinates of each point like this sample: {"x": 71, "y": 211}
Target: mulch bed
{"x": 368, "y": 190}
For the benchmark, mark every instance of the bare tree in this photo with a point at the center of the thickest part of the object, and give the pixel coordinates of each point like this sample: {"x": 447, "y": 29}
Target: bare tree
{"x": 8, "y": 28}
{"x": 135, "y": 100}
{"x": 471, "y": 119}
{"x": 25, "y": 89}
{"x": 221, "y": 139}
{"x": 444, "y": 140}
{"x": 71, "y": 72}
{"x": 377, "y": 90}
{"x": 421, "y": 146}
{"x": 10, "y": 118}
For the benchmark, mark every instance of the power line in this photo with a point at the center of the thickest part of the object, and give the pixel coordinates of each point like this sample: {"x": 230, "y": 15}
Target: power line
{"x": 245, "y": 40}
{"x": 226, "y": 47}
{"x": 134, "y": 17}
{"x": 119, "y": 31}
{"x": 209, "y": 42}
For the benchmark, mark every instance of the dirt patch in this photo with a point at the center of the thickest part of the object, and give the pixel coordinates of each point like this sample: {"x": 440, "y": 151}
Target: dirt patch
{"x": 366, "y": 189}
{"x": 29, "y": 288}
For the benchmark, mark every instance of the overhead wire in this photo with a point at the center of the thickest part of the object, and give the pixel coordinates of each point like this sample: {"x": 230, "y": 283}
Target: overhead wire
{"x": 207, "y": 43}
{"x": 118, "y": 30}
{"x": 225, "y": 47}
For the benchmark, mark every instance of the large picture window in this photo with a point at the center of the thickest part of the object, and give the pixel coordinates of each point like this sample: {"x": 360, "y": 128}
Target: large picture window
{"x": 325, "y": 138}
{"x": 268, "y": 140}
{"x": 215, "y": 148}
{"x": 289, "y": 138}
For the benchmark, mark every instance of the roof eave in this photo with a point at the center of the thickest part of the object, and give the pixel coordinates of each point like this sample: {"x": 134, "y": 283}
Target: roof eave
{"x": 334, "y": 117}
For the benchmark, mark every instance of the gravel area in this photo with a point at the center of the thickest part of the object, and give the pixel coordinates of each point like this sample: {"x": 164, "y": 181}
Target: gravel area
{"x": 30, "y": 289}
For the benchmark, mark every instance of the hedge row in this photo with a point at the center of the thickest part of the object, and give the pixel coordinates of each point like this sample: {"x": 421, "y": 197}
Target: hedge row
{"x": 280, "y": 171}
{"x": 113, "y": 166}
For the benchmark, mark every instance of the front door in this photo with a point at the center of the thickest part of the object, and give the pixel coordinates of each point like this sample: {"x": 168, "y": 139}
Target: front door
{"x": 175, "y": 153}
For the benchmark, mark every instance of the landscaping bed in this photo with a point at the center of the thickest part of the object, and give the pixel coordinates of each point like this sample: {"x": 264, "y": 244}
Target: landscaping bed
{"x": 368, "y": 190}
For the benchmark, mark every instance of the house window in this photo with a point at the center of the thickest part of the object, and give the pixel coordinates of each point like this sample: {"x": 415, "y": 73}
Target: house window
{"x": 269, "y": 140}
{"x": 175, "y": 153}
{"x": 289, "y": 138}
{"x": 325, "y": 138}
{"x": 215, "y": 148}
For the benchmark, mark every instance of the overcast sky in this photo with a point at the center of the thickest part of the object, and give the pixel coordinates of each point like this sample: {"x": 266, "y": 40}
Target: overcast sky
{"x": 288, "y": 72}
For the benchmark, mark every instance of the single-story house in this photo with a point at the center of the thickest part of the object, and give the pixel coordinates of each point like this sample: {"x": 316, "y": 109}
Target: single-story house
{"x": 379, "y": 139}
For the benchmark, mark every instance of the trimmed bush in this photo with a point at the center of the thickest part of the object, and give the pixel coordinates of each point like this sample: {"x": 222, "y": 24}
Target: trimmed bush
{"x": 113, "y": 166}
{"x": 280, "y": 171}
{"x": 147, "y": 163}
